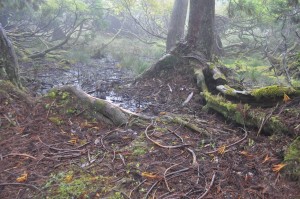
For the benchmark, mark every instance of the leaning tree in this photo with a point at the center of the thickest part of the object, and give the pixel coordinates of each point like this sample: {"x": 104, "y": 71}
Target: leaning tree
{"x": 9, "y": 67}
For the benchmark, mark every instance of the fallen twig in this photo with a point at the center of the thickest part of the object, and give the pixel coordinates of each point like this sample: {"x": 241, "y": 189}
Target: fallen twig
{"x": 179, "y": 171}
{"x": 176, "y": 133}
{"x": 59, "y": 149}
{"x": 210, "y": 185}
{"x": 265, "y": 120}
{"x": 195, "y": 163}
{"x": 136, "y": 187}
{"x": 165, "y": 179}
{"x": 188, "y": 99}
{"x": 19, "y": 154}
{"x": 151, "y": 188}
{"x": 102, "y": 142}
{"x": 160, "y": 145}
{"x": 230, "y": 145}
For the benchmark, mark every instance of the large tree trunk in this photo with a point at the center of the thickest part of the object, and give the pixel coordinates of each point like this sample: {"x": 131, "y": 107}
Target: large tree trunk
{"x": 8, "y": 60}
{"x": 200, "y": 34}
{"x": 177, "y": 23}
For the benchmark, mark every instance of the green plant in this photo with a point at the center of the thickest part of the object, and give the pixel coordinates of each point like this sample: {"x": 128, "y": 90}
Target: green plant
{"x": 117, "y": 195}
{"x": 68, "y": 185}
{"x": 138, "y": 150}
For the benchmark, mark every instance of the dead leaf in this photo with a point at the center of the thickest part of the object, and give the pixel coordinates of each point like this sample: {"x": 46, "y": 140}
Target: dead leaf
{"x": 68, "y": 178}
{"x": 276, "y": 168}
{"x": 221, "y": 150}
{"x": 87, "y": 124}
{"x": 150, "y": 176}
{"x": 286, "y": 98}
{"x": 245, "y": 153}
{"x": 20, "y": 130}
{"x": 74, "y": 140}
{"x": 267, "y": 158}
{"x": 162, "y": 113}
{"x": 22, "y": 178}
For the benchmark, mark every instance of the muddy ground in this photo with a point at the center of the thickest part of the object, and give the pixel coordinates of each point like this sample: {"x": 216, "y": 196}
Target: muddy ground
{"x": 49, "y": 149}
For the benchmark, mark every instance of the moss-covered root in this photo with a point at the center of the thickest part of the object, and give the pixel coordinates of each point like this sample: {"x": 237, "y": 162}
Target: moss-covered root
{"x": 7, "y": 87}
{"x": 292, "y": 159}
{"x": 243, "y": 114}
{"x": 272, "y": 92}
{"x": 108, "y": 110}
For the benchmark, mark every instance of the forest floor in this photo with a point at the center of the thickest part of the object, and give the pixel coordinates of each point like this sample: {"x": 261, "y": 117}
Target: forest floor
{"x": 48, "y": 149}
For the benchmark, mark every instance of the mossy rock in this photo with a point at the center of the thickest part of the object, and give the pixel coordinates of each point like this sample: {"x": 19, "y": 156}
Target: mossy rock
{"x": 292, "y": 159}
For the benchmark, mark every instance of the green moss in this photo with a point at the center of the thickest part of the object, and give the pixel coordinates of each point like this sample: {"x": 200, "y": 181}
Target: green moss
{"x": 219, "y": 101}
{"x": 65, "y": 95}
{"x": 277, "y": 125}
{"x": 78, "y": 186}
{"x": 52, "y": 94}
{"x": 292, "y": 159}
{"x": 99, "y": 105}
{"x": 71, "y": 111}
{"x": 272, "y": 92}
{"x": 56, "y": 120}
{"x": 229, "y": 91}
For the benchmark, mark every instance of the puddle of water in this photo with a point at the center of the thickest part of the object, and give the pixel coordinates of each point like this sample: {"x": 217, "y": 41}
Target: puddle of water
{"x": 98, "y": 79}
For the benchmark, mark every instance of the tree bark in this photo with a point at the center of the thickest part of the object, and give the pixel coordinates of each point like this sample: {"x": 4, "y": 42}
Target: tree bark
{"x": 200, "y": 36}
{"x": 9, "y": 59}
{"x": 177, "y": 23}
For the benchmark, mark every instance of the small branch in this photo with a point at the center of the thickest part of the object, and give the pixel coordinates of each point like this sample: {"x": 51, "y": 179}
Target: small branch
{"x": 195, "y": 163}
{"x": 58, "y": 149}
{"x": 102, "y": 139}
{"x": 230, "y": 145}
{"x": 19, "y": 154}
{"x": 151, "y": 188}
{"x": 160, "y": 145}
{"x": 165, "y": 174}
{"x": 188, "y": 99}
{"x": 135, "y": 188}
{"x": 265, "y": 120}
{"x": 210, "y": 185}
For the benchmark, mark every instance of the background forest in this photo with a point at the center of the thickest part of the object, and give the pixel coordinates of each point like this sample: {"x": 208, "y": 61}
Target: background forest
{"x": 252, "y": 36}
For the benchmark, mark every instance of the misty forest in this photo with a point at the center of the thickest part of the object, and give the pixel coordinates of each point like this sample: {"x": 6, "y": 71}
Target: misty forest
{"x": 161, "y": 99}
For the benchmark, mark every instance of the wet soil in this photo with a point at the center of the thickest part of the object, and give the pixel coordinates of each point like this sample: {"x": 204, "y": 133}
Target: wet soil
{"x": 77, "y": 157}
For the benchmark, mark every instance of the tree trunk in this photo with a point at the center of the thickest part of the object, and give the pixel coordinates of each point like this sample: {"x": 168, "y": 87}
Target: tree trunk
{"x": 9, "y": 59}
{"x": 177, "y": 23}
{"x": 200, "y": 36}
